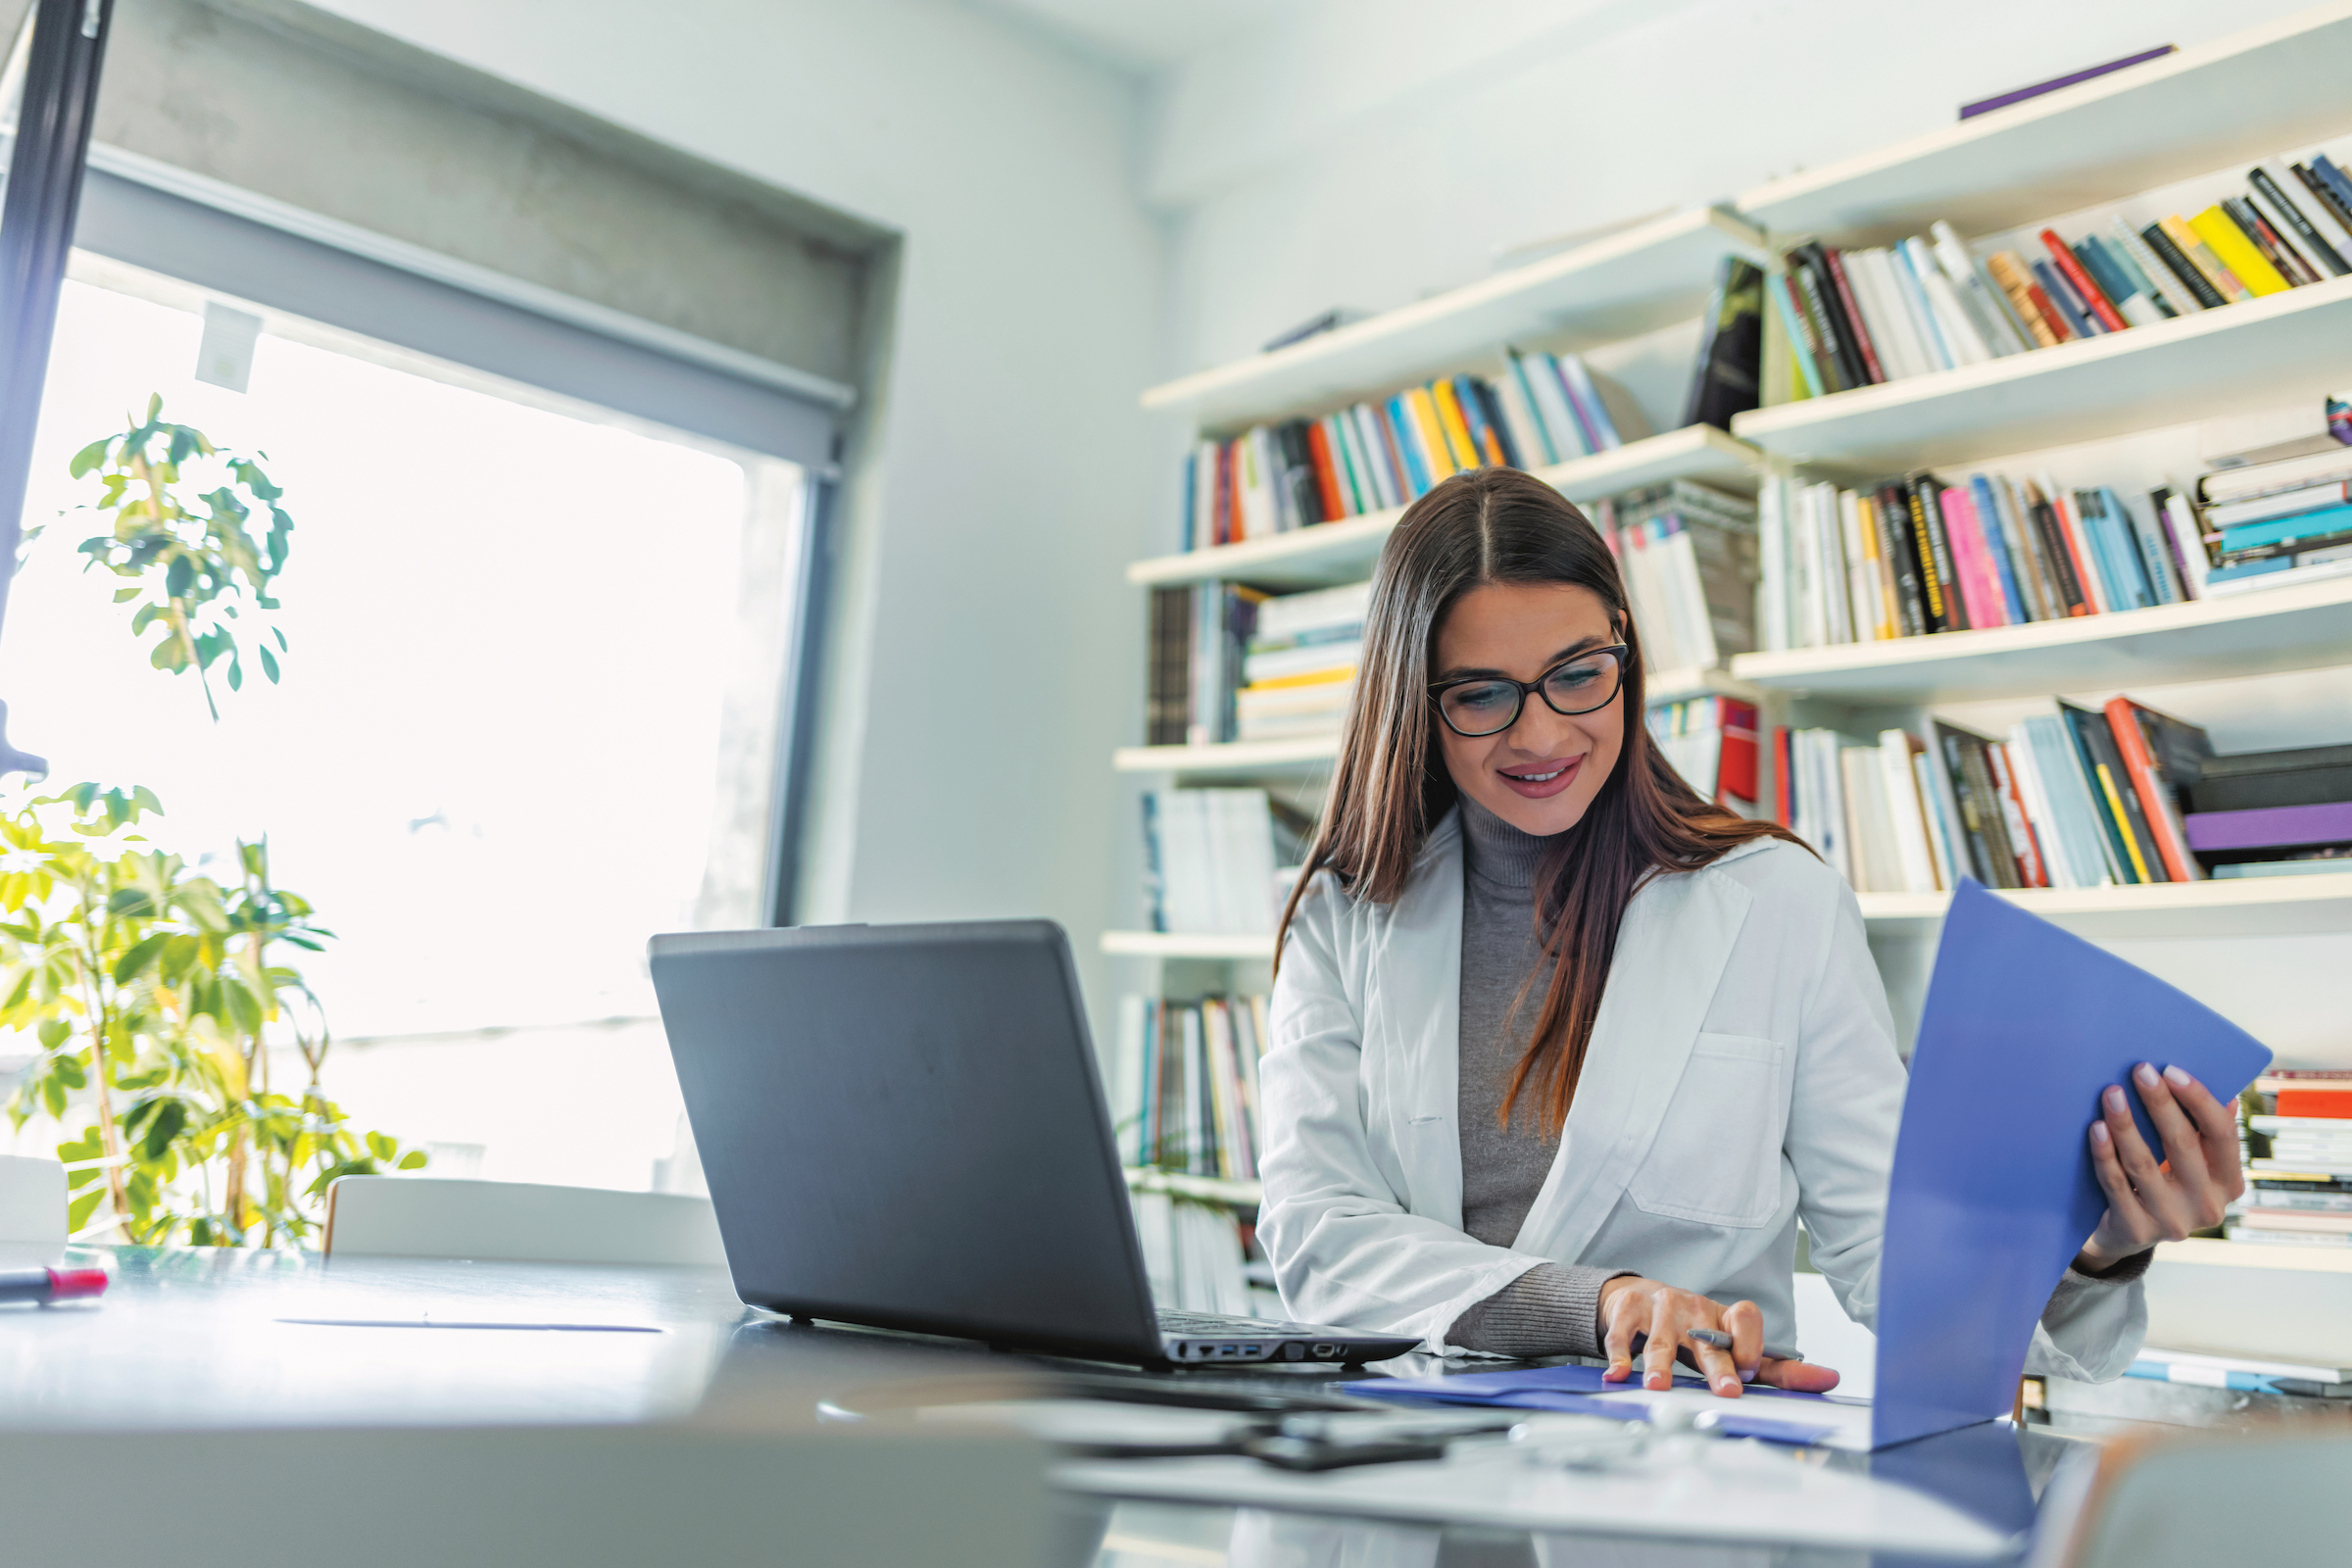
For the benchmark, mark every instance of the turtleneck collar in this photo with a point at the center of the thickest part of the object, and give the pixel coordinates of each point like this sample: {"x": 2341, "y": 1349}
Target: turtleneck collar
{"x": 1497, "y": 853}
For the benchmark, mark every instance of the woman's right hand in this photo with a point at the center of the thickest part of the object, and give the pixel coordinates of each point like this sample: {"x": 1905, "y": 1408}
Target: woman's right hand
{"x": 1630, "y": 1304}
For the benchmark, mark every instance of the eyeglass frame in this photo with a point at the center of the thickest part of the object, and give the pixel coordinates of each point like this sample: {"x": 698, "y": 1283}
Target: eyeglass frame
{"x": 1620, "y": 652}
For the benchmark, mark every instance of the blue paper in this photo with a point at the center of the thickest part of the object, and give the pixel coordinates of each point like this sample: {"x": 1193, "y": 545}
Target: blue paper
{"x": 1993, "y": 1191}
{"x": 1572, "y": 1390}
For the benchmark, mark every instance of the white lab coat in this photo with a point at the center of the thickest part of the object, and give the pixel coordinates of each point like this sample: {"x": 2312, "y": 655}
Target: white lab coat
{"x": 1741, "y": 1073}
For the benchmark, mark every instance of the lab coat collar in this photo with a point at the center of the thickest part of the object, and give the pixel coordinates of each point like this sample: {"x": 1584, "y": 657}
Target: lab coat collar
{"x": 1676, "y": 936}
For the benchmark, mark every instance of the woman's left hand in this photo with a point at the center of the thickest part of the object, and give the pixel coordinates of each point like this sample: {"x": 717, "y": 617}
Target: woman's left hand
{"x": 2149, "y": 1203}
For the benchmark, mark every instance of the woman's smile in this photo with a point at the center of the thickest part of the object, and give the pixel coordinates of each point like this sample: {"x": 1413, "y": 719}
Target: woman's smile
{"x": 1541, "y": 781}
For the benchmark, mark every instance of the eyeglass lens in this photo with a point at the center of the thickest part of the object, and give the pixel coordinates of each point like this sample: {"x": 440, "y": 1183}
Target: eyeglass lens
{"x": 1490, "y": 706}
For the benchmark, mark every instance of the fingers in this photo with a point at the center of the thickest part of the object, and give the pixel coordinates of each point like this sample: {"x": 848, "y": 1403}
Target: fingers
{"x": 1744, "y": 1321}
{"x": 2217, "y": 1125}
{"x": 1665, "y": 1338}
{"x": 2184, "y": 1143}
{"x": 1799, "y": 1377}
{"x": 2130, "y": 1147}
{"x": 1617, "y": 1344}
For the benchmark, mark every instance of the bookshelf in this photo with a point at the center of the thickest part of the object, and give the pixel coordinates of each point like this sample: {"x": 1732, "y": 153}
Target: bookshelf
{"x": 2264, "y": 631}
{"x": 2254, "y": 907}
{"x": 2177, "y": 119}
{"x": 2282, "y": 906}
{"x": 2268, "y": 350}
{"x": 1179, "y": 945}
{"x": 1241, "y": 1194}
{"x": 1644, "y": 276}
{"x": 2239, "y": 98}
{"x": 1333, "y": 553}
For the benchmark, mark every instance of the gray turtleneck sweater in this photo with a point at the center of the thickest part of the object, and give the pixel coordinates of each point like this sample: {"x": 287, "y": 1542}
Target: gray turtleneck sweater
{"x": 1554, "y": 1308}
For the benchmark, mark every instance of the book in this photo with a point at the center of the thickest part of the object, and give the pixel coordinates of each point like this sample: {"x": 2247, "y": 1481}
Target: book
{"x": 2177, "y": 261}
{"x": 2306, "y": 775}
{"x": 2132, "y": 851}
{"x": 2270, "y": 827}
{"x": 2192, "y": 243}
{"x": 2222, "y": 235}
{"x": 2018, "y": 95}
{"x": 2157, "y": 748}
{"x": 2153, "y": 271}
{"x": 2092, "y": 298}
{"x": 1729, "y": 375}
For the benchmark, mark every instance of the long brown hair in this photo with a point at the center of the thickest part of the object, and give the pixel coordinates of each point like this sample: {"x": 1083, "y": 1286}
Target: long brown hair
{"x": 1391, "y": 786}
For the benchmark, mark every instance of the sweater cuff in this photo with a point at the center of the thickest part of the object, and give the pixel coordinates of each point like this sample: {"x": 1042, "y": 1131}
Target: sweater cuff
{"x": 2123, "y": 1272}
{"x": 1551, "y": 1310}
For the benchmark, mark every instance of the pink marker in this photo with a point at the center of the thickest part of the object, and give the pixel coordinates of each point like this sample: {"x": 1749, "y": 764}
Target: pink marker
{"x": 43, "y": 1286}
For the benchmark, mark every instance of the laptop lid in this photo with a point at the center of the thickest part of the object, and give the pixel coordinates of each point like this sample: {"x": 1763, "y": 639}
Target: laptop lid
{"x": 903, "y": 1126}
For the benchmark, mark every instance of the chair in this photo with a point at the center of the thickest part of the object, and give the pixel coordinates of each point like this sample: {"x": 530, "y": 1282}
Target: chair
{"x": 425, "y": 1216}
{"x": 32, "y": 1200}
{"x": 2193, "y": 1501}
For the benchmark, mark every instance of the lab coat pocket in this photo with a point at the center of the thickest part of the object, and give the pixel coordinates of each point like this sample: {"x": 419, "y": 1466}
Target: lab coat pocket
{"x": 1717, "y": 1156}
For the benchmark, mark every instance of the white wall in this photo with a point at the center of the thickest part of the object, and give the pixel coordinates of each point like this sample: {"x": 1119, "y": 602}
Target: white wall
{"x": 989, "y": 658}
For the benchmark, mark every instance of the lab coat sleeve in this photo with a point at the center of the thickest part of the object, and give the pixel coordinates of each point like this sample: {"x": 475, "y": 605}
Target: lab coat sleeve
{"x": 1848, "y": 1097}
{"x": 1847, "y": 1105}
{"x": 1345, "y": 1249}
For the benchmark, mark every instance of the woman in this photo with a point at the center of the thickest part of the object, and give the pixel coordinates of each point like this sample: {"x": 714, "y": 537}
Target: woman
{"x": 1562, "y": 1052}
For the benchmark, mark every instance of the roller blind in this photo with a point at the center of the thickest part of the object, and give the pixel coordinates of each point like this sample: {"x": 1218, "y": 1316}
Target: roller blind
{"x": 567, "y": 347}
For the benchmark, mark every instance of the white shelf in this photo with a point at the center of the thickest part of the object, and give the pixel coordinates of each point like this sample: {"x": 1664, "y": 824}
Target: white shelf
{"x": 2256, "y": 1254}
{"x": 1680, "y": 685}
{"x": 1173, "y": 945}
{"x": 1331, "y": 553}
{"x": 1310, "y": 753}
{"x": 2245, "y": 907}
{"x": 1237, "y": 1191}
{"x": 2260, "y": 631}
{"x": 2245, "y": 97}
{"x": 1632, "y": 282}
{"x": 2261, "y": 352}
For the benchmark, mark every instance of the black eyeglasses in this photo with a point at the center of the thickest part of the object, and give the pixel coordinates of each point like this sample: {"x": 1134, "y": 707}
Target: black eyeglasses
{"x": 1477, "y": 706}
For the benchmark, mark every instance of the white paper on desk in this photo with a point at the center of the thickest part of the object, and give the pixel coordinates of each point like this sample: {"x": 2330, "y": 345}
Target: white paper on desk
{"x": 1751, "y": 1493}
{"x": 1849, "y": 1422}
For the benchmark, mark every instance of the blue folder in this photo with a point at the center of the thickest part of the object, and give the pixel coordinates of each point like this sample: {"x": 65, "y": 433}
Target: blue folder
{"x": 1993, "y": 1191}
{"x": 1575, "y": 1390}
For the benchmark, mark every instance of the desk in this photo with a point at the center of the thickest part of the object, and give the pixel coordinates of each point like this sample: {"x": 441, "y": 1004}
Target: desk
{"x": 195, "y": 1343}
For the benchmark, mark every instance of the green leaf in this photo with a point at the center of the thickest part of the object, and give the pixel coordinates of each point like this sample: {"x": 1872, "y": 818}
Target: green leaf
{"x": 53, "y": 1032}
{"x": 169, "y": 1121}
{"x": 382, "y": 1147}
{"x": 124, "y": 595}
{"x": 142, "y": 954}
{"x": 236, "y": 675}
{"x": 268, "y": 663}
{"x": 79, "y": 1210}
{"x": 89, "y": 458}
{"x": 413, "y": 1159}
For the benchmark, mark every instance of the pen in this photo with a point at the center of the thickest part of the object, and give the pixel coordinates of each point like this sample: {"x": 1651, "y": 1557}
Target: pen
{"x": 1722, "y": 1342}
{"x": 45, "y": 1285}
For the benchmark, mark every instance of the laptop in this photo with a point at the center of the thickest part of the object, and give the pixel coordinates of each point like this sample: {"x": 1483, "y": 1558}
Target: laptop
{"x": 902, "y": 1127}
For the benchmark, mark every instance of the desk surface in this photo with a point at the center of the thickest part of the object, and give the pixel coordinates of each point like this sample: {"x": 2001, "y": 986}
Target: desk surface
{"x": 204, "y": 1339}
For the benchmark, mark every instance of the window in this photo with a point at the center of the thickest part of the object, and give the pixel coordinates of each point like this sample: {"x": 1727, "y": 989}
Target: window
{"x": 528, "y": 715}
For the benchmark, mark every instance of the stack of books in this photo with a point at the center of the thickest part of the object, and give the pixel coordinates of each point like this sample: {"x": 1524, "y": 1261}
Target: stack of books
{"x": 2273, "y": 814}
{"x": 2282, "y": 521}
{"x": 2299, "y": 1180}
{"x": 1859, "y": 318}
{"x": 1299, "y": 674}
{"x": 1711, "y": 741}
{"x": 2074, "y": 797}
{"x": 1194, "y": 1257}
{"x": 1922, "y": 553}
{"x": 1380, "y": 455}
{"x": 1688, "y": 553}
{"x": 1199, "y": 637}
{"x": 1185, "y": 1084}
{"x": 1210, "y": 856}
